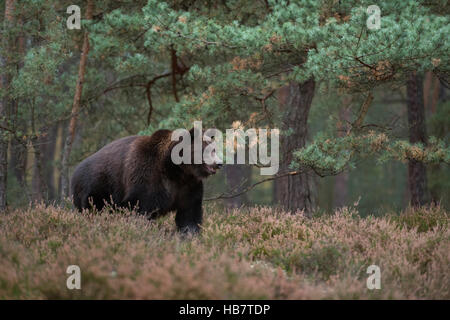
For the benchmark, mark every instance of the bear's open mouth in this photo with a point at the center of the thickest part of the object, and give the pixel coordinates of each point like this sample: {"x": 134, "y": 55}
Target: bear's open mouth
{"x": 211, "y": 170}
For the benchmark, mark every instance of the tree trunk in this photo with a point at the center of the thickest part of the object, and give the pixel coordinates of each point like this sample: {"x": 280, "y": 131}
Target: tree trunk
{"x": 438, "y": 97}
{"x": 43, "y": 185}
{"x": 295, "y": 193}
{"x": 39, "y": 185}
{"x": 18, "y": 160}
{"x": 18, "y": 153}
{"x": 417, "y": 175}
{"x": 238, "y": 178}
{"x": 75, "y": 106}
{"x": 49, "y": 160}
{"x": 340, "y": 192}
{"x": 6, "y": 101}
{"x": 3, "y": 147}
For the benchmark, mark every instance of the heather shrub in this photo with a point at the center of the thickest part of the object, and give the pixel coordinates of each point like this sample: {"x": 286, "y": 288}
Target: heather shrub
{"x": 322, "y": 260}
{"x": 424, "y": 219}
{"x": 250, "y": 253}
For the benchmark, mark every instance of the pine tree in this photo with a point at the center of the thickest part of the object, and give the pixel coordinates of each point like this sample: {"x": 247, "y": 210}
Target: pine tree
{"x": 76, "y": 104}
{"x": 162, "y": 64}
{"x": 284, "y": 43}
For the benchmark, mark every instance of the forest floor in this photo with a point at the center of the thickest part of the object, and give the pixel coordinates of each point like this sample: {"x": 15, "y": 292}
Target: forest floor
{"x": 254, "y": 253}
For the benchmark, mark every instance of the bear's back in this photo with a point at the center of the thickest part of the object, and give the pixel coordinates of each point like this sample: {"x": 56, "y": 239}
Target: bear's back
{"x": 102, "y": 171}
{"x": 110, "y": 157}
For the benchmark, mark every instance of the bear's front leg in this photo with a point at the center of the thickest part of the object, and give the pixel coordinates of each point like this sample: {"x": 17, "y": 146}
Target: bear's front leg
{"x": 189, "y": 213}
{"x": 188, "y": 220}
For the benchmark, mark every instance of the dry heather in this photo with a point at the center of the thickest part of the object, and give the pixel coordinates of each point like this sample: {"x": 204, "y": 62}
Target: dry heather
{"x": 257, "y": 253}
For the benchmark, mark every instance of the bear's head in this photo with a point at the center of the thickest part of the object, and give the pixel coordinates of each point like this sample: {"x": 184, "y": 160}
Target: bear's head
{"x": 210, "y": 163}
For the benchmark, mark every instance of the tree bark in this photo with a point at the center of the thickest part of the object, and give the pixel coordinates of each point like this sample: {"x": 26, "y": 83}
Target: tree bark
{"x": 417, "y": 175}
{"x": 75, "y": 106}
{"x": 295, "y": 193}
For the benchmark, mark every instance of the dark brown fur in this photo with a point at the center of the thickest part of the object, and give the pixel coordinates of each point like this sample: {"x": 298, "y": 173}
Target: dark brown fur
{"x": 137, "y": 171}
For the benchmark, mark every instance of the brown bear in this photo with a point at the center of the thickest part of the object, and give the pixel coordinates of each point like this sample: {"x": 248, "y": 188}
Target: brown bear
{"x": 138, "y": 171}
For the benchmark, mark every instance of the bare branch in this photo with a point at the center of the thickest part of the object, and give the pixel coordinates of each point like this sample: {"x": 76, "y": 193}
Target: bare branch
{"x": 364, "y": 108}
{"x": 226, "y": 195}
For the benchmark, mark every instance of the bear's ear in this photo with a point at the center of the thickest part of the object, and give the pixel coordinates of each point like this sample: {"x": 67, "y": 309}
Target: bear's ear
{"x": 167, "y": 155}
